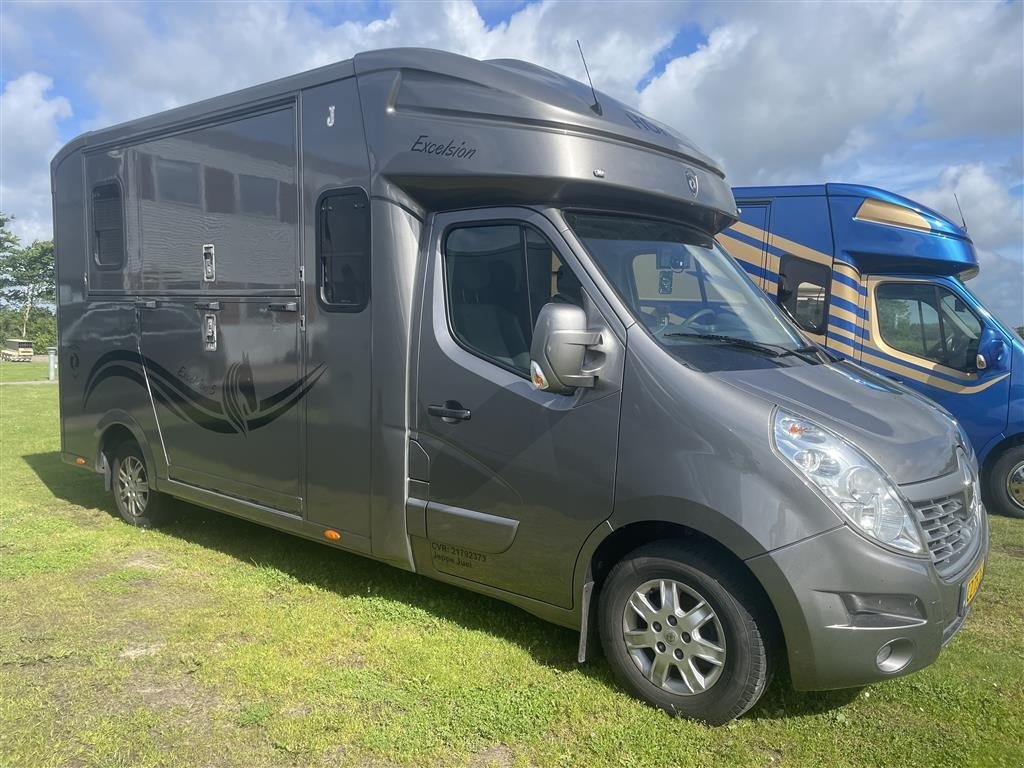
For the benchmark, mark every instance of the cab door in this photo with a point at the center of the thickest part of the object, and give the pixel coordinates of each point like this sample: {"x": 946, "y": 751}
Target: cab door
{"x": 518, "y": 478}
{"x": 928, "y": 335}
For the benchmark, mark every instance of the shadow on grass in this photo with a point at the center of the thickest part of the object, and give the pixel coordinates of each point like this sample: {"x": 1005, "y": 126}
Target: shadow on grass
{"x": 347, "y": 574}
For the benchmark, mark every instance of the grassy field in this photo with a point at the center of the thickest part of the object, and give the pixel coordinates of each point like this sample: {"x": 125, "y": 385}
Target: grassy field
{"x": 18, "y": 372}
{"x": 219, "y": 643}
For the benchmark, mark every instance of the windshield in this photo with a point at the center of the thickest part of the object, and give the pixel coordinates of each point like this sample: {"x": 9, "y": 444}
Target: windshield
{"x": 688, "y": 292}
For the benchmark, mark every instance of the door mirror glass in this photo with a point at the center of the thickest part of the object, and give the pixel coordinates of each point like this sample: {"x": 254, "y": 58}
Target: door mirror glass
{"x": 560, "y": 341}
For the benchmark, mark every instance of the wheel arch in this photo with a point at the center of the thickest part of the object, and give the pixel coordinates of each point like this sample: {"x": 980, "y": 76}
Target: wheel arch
{"x": 609, "y": 543}
{"x": 113, "y": 429}
{"x": 999, "y": 447}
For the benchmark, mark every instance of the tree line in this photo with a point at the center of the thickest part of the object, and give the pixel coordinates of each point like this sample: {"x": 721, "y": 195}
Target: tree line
{"x": 27, "y": 289}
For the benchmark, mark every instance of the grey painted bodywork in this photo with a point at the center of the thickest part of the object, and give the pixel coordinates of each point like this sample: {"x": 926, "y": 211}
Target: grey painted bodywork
{"x": 514, "y": 502}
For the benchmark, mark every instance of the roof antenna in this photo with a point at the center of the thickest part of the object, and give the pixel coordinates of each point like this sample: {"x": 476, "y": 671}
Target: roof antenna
{"x": 963, "y": 221}
{"x": 596, "y": 106}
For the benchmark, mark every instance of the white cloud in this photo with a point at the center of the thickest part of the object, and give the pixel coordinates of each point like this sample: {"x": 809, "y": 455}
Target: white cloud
{"x": 791, "y": 92}
{"x": 994, "y": 217}
{"x": 28, "y": 138}
{"x": 202, "y": 50}
{"x": 995, "y": 221}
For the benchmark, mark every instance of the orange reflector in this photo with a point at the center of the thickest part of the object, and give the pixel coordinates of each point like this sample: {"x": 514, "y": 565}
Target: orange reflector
{"x": 332, "y": 535}
{"x": 79, "y": 461}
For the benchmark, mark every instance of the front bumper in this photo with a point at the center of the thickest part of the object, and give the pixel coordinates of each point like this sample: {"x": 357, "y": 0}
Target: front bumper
{"x": 841, "y": 598}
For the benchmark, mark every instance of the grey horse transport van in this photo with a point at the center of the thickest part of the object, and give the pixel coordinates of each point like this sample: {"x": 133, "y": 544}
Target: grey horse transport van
{"x": 469, "y": 318}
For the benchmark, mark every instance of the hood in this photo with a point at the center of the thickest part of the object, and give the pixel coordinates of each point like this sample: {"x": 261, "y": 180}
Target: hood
{"x": 901, "y": 431}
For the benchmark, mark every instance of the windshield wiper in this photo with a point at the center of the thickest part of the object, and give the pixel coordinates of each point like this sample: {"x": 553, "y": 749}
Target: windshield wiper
{"x": 734, "y": 341}
{"x": 809, "y": 352}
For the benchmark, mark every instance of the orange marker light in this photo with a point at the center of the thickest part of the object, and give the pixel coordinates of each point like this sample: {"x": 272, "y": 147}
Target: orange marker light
{"x": 79, "y": 461}
{"x": 332, "y": 535}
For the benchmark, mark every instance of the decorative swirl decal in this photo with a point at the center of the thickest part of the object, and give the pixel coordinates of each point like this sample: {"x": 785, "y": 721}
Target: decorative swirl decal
{"x": 238, "y": 412}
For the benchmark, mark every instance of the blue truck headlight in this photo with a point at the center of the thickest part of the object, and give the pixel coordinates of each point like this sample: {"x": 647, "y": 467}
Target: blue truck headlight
{"x": 855, "y": 486}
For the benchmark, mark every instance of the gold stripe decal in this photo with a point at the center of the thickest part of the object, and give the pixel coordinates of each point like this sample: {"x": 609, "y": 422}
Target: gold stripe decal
{"x": 881, "y": 212}
{"x": 782, "y": 243}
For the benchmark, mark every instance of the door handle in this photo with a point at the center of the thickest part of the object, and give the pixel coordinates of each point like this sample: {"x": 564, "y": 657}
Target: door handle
{"x": 283, "y": 306}
{"x": 451, "y": 412}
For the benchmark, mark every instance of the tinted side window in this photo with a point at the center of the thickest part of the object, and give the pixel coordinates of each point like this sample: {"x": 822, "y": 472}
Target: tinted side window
{"x": 343, "y": 250}
{"x": 804, "y": 292}
{"x": 927, "y": 321}
{"x": 497, "y": 279}
{"x": 107, "y": 226}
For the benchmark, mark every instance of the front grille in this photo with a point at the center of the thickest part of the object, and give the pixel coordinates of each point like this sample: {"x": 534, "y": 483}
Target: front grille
{"x": 949, "y": 528}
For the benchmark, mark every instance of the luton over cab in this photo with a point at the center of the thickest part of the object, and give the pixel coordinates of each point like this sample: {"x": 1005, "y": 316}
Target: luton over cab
{"x": 879, "y": 279}
{"x": 469, "y": 318}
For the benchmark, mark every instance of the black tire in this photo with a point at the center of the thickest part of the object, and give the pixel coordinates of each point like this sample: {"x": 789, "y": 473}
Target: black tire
{"x": 136, "y": 501}
{"x": 739, "y": 613}
{"x": 1000, "y": 500}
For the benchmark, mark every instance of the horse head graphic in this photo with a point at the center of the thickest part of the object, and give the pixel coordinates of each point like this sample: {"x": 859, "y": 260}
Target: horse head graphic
{"x": 240, "y": 394}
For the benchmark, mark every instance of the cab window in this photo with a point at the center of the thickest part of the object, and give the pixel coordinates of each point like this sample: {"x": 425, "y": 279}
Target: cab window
{"x": 497, "y": 279}
{"x": 804, "y": 292}
{"x": 928, "y": 321}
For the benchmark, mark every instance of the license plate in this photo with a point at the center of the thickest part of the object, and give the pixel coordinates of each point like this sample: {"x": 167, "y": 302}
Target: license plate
{"x": 970, "y": 588}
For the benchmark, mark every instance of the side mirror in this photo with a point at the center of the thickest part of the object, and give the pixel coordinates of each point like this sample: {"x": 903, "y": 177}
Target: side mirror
{"x": 560, "y": 342}
{"x": 991, "y": 351}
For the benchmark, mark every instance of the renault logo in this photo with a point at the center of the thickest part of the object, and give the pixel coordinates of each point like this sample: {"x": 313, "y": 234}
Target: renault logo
{"x": 691, "y": 182}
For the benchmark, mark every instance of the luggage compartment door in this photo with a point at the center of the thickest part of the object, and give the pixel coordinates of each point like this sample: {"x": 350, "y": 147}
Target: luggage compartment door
{"x": 224, "y": 375}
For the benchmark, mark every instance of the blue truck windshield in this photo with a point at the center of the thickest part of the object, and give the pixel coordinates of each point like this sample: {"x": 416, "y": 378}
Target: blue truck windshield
{"x": 689, "y": 293}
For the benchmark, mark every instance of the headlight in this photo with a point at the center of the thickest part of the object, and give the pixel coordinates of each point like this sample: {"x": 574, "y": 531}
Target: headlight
{"x": 857, "y": 488}
{"x": 968, "y": 469}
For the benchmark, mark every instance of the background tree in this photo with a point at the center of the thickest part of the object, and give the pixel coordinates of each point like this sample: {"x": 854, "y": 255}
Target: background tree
{"x": 27, "y": 286}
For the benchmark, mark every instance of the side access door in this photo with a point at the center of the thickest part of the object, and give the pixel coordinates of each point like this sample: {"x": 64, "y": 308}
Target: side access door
{"x": 518, "y": 478}
{"x": 225, "y": 378}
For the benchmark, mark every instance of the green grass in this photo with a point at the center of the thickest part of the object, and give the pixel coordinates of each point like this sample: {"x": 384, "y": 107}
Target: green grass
{"x": 11, "y": 372}
{"x": 219, "y": 643}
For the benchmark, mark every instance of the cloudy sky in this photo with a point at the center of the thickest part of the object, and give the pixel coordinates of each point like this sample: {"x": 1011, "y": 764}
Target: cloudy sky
{"x": 922, "y": 99}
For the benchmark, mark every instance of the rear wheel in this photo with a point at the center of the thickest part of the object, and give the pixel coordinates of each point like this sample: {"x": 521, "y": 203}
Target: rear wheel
{"x": 685, "y": 633}
{"x": 1006, "y": 483}
{"x": 137, "y": 503}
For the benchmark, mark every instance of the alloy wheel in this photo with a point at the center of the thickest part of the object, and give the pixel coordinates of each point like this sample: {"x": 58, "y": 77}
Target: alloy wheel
{"x": 674, "y": 637}
{"x": 133, "y": 486}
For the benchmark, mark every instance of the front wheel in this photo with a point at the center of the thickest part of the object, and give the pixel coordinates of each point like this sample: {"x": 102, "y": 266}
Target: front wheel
{"x": 137, "y": 502}
{"x": 1006, "y": 483}
{"x": 684, "y": 632}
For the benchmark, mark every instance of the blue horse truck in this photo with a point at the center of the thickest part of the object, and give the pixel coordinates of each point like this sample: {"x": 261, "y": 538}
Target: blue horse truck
{"x": 879, "y": 279}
